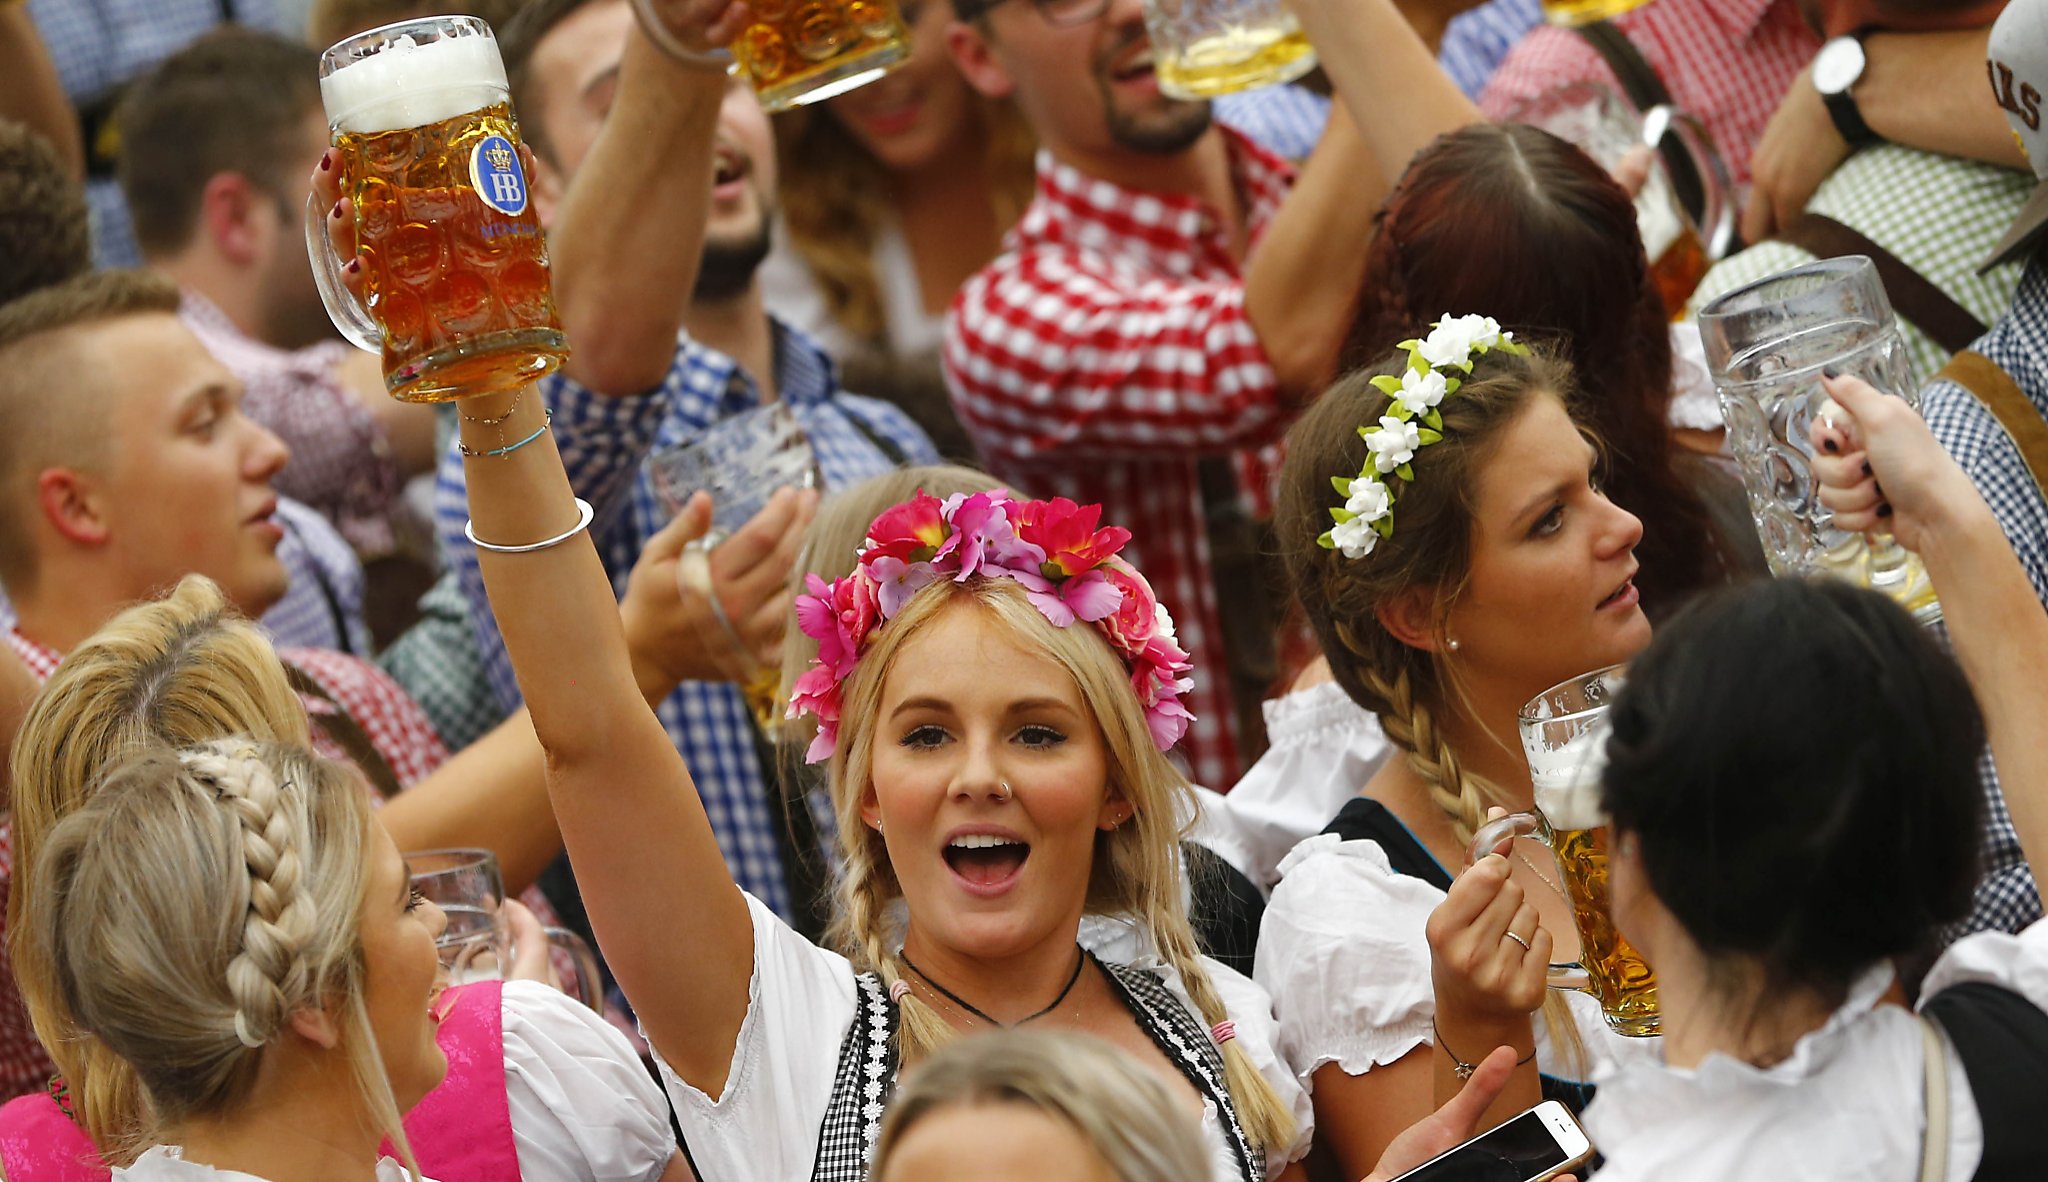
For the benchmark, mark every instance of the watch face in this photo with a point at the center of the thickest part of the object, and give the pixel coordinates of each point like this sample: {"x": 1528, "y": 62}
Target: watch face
{"x": 1838, "y": 65}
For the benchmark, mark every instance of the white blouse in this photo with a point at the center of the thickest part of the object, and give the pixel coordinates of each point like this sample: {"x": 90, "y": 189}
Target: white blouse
{"x": 583, "y": 1107}
{"x": 800, "y": 1003}
{"x": 1323, "y": 747}
{"x": 166, "y": 1164}
{"x": 1343, "y": 952}
{"x": 1849, "y": 1103}
{"x": 791, "y": 291}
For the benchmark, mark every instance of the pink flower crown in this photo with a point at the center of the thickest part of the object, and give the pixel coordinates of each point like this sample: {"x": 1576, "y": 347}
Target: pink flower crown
{"x": 1068, "y": 568}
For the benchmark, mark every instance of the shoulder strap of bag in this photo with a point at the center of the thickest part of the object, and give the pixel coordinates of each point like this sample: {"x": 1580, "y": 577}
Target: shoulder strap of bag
{"x": 1936, "y": 313}
{"x": 2001, "y": 1040}
{"x": 1639, "y": 81}
{"x": 1934, "y": 1146}
{"x": 2007, "y": 403}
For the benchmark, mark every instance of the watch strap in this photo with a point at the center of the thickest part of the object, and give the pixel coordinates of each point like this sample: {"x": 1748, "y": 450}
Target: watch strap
{"x": 1849, "y": 119}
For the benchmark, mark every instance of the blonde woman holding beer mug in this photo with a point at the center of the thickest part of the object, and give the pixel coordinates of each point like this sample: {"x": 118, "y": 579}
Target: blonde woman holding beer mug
{"x": 1792, "y": 780}
{"x": 1443, "y": 603}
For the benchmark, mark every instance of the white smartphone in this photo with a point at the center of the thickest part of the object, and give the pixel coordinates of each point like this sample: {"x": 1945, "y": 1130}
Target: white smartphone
{"x": 1538, "y": 1144}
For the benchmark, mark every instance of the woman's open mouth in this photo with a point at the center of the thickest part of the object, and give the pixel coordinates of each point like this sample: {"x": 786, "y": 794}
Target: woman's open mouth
{"x": 986, "y": 863}
{"x": 1624, "y": 596}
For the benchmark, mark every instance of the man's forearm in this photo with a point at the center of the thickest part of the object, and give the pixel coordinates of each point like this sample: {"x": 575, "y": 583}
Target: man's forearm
{"x": 626, "y": 242}
{"x": 1929, "y": 91}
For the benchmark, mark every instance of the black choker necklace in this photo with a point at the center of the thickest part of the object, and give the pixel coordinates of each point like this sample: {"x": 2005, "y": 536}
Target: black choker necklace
{"x": 1080, "y": 958}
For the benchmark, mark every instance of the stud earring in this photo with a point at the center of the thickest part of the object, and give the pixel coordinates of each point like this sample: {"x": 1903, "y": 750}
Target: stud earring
{"x": 1452, "y": 644}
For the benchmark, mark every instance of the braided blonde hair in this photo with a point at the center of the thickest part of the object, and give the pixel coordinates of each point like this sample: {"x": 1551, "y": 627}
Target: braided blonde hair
{"x": 178, "y": 671}
{"x": 1409, "y": 688}
{"x": 1137, "y": 868}
{"x": 199, "y": 900}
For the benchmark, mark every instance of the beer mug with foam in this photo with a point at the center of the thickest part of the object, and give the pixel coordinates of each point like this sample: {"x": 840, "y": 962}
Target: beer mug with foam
{"x": 1564, "y": 734}
{"x": 456, "y": 269}
{"x": 1205, "y": 48}
{"x": 1686, "y": 215}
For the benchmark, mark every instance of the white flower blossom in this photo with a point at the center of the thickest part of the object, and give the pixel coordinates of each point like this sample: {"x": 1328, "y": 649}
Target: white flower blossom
{"x": 1393, "y": 444}
{"x": 1163, "y": 621}
{"x": 1421, "y": 391}
{"x": 1451, "y": 342}
{"x": 1369, "y": 500}
{"x": 1354, "y": 538}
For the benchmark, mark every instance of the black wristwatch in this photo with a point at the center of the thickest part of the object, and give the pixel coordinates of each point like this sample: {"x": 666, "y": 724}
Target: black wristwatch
{"x": 1836, "y": 70}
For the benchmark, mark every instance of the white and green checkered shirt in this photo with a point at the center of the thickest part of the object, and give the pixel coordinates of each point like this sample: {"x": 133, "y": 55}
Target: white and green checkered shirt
{"x": 1940, "y": 215}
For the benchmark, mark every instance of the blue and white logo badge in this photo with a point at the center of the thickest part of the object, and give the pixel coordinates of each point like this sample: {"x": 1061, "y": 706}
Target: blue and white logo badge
{"x": 495, "y": 173}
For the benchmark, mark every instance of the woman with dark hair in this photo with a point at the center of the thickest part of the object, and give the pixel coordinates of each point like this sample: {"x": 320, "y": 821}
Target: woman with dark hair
{"x": 1795, "y": 806}
{"x": 1516, "y": 221}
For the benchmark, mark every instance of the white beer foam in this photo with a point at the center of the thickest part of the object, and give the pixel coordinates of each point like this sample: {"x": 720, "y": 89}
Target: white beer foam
{"x": 1567, "y": 782}
{"x": 407, "y": 84}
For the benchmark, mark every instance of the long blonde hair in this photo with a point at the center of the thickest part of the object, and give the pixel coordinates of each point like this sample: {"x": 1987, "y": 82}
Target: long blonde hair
{"x": 196, "y": 902}
{"x": 1137, "y": 866}
{"x": 182, "y": 670}
{"x": 835, "y": 198}
{"x": 1124, "y": 1111}
{"x": 1410, "y": 689}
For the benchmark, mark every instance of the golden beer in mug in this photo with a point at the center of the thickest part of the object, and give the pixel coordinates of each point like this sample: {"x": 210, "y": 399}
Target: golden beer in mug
{"x": 1205, "y": 48}
{"x": 1585, "y": 12}
{"x": 800, "y": 51}
{"x": 1564, "y": 735}
{"x": 455, "y": 266}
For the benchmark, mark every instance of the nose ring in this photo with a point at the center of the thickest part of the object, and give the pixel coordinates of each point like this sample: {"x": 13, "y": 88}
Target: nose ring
{"x": 1005, "y": 786}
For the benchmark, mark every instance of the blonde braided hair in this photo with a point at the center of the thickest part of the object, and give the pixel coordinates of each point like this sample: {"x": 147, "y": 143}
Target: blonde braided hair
{"x": 1137, "y": 869}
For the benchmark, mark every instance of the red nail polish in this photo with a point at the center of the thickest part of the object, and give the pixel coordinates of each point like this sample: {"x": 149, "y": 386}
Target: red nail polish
{"x": 336, "y": 211}
{"x": 326, "y": 162}
{"x": 355, "y": 266}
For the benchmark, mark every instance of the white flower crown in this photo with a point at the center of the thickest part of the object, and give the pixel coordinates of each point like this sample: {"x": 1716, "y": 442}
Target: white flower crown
{"x": 1410, "y": 424}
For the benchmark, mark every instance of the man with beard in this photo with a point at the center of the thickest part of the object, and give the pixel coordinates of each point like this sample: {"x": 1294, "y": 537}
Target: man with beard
{"x": 1173, "y": 295}
{"x": 655, "y": 180}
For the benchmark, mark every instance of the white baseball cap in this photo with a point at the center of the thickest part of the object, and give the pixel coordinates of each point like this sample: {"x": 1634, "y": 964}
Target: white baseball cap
{"x": 2017, "y": 62}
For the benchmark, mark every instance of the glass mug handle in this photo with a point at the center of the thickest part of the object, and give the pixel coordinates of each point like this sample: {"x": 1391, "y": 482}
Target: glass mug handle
{"x": 342, "y": 308}
{"x": 1716, "y": 217}
{"x": 1488, "y": 838}
{"x": 589, "y": 982}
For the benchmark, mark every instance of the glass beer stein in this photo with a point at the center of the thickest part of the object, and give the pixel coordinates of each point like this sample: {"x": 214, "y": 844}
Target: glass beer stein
{"x": 456, "y": 277}
{"x": 800, "y": 51}
{"x": 1585, "y": 12}
{"x": 477, "y": 943}
{"x": 1766, "y": 345}
{"x": 1203, "y": 48}
{"x": 1564, "y": 735}
{"x": 1679, "y": 245}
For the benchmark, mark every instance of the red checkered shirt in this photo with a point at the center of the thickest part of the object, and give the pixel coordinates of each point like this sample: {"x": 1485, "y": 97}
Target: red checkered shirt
{"x": 1729, "y": 62}
{"x": 1102, "y": 355}
{"x": 389, "y": 719}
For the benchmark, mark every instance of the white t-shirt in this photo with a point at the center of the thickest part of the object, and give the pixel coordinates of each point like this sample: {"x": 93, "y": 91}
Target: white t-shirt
{"x": 583, "y": 1107}
{"x": 1343, "y": 952}
{"x": 800, "y": 1003}
{"x": 163, "y": 1164}
{"x": 1849, "y": 1103}
{"x": 1322, "y": 748}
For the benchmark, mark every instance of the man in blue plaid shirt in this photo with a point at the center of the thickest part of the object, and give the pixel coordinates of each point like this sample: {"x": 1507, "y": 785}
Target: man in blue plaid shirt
{"x": 1966, "y": 425}
{"x": 600, "y": 104}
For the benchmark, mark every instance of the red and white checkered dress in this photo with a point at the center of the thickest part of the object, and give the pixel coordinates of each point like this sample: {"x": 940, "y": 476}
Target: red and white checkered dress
{"x": 1102, "y": 355}
{"x": 388, "y": 717}
{"x": 1729, "y": 62}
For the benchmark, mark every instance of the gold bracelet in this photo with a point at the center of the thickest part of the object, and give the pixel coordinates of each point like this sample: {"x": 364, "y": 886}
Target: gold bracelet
{"x": 1463, "y": 1069}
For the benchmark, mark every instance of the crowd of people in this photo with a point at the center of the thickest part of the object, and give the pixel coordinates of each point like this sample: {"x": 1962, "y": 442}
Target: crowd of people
{"x": 1202, "y": 489}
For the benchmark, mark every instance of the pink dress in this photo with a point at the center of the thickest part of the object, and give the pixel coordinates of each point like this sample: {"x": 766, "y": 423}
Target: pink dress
{"x": 461, "y": 1131}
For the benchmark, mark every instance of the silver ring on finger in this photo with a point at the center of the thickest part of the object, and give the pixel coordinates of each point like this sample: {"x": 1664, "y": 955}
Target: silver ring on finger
{"x": 1519, "y": 940}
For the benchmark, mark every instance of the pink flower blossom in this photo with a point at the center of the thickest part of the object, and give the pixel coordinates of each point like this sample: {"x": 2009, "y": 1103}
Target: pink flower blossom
{"x": 911, "y": 531}
{"x": 984, "y": 537}
{"x": 896, "y": 581}
{"x": 817, "y": 693}
{"x": 1067, "y": 533}
{"x": 839, "y": 617}
{"x": 1088, "y": 597}
{"x": 1136, "y": 618}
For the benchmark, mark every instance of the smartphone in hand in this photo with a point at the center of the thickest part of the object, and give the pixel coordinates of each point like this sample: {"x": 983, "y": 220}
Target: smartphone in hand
{"x": 1538, "y": 1144}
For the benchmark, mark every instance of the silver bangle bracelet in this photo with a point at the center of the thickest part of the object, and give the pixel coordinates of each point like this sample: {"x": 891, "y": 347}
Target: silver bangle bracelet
{"x": 658, "y": 33}
{"x": 583, "y": 516}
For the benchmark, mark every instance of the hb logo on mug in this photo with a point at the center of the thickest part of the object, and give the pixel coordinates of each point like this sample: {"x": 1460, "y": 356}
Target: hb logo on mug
{"x": 494, "y": 172}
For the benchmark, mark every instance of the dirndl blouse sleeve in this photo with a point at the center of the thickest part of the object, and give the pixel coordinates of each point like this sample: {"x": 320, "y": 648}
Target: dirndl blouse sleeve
{"x": 581, "y": 1104}
{"x": 764, "y": 1126}
{"x": 1343, "y": 955}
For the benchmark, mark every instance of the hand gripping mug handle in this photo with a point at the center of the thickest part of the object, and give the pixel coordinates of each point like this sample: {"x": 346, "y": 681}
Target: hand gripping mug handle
{"x": 589, "y": 982}
{"x": 348, "y": 315}
{"x": 1489, "y": 836}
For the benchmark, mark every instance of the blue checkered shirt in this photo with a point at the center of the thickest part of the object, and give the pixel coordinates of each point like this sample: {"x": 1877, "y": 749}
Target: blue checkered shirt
{"x": 99, "y": 45}
{"x": 2006, "y": 899}
{"x": 603, "y": 442}
{"x": 1284, "y": 120}
{"x": 1477, "y": 39}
